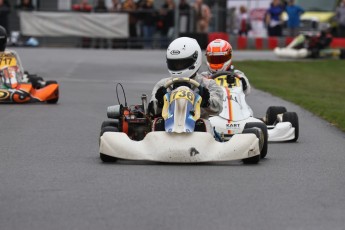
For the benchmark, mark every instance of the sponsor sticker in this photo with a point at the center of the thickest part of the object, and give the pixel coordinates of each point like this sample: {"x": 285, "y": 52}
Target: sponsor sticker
{"x": 174, "y": 52}
{"x": 4, "y": 95}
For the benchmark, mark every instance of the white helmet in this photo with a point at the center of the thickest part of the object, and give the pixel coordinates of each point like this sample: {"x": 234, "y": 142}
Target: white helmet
{"x": 184, "y": 57}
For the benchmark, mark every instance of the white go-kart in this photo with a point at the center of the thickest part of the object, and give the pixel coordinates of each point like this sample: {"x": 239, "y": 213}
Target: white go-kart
{"x": 277, "y": 126}
{"x": 179, "y": 136}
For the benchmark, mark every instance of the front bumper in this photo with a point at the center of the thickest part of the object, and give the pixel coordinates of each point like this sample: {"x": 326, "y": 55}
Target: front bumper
{"x": 179, "y": 148}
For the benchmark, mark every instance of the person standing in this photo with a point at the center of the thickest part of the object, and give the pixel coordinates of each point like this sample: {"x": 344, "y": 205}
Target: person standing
{"x": 273, "y": 19}
{"x": 101, "y": 8}
{"x": 130, "y": 7}
{"x": 184, "y": 10}
{"x": 243, "y": 22}
{"x": 340, "y": 15}
{"x": 167, "y": 18}
{"x": 4, "y": 11}
{"x": 294, "y": 13}
{"x": 149, "y": 18}
{"x": 26, "y": 5}
{"x": 83, "y": 6}
{"x": 202, "y": 16}
{"x": 116, "y": 6}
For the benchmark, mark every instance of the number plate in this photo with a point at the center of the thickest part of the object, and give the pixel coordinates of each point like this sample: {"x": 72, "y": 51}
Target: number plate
{"x": 182, "y": 93}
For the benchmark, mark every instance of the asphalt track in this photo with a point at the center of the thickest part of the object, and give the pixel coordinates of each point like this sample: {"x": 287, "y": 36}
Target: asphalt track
{"x": 51, "y": 176}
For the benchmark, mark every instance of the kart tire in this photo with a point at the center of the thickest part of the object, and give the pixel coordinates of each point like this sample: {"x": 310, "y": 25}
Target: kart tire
{"x": 34, "y": 80}
{"x": 264, "y": 141}
{"x": 104, "y": 157}
{"x": 55, "y": 100}
{"x": 293, "y": 119}
{"x": 342, "y": 54}
{"x": 254, "y": 159}
{"x": 315, "y": 53}
{"x": 272, "y": 112}
{"x": 113, "y": 123}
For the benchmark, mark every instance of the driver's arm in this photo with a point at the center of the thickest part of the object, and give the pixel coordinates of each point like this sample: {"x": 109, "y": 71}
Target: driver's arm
{"x": 244, "y": 81}
{"x": 216, "y": 96}
{"x": 153, "y": 104}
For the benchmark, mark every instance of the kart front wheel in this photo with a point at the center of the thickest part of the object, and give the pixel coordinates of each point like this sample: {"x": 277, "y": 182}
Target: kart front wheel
{"x": 272, "y": 112}
{"x": 104, "y": 157}
{"x": 254, "y": 159}
{"x": 55, "y": 100}
{"x": 264, "y": 137}
{"x": 293, "y": 119}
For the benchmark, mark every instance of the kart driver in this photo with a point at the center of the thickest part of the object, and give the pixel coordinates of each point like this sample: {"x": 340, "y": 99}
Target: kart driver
{"x": 219, "y": 58}
{"x": 21, "y": 75}
{"x": 184, "y": 59}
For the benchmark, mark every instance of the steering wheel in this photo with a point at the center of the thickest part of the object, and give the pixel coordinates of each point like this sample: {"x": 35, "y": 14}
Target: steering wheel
{"x": 222, "y": 73}
{"x": 192, "y": 82}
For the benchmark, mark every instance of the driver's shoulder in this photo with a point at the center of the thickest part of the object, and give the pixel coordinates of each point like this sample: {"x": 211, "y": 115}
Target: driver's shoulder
{"x": 237, "y": 71}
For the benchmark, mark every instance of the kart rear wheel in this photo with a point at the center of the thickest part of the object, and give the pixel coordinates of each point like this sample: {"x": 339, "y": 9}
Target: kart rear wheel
{"x": 113, "y": 123}
{"x": 254, "y": 159}
{"x": 264, "y": 141}
{"x": 272, "y": 112}
{"x": 55, "y": 100}
{"x": 293, "y": 119}
{"x": 104, "y": 157}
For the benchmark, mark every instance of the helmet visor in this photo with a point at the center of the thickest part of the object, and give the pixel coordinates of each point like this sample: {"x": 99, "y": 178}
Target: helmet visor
{"x": 218, "y": 59}
{"x": 183, "y": 63}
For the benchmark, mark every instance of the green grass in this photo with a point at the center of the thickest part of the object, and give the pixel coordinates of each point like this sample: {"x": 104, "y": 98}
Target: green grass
{"x": 318, "y": 86}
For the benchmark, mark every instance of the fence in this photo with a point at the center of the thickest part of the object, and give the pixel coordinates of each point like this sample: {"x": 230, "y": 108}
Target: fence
{"x": 224, "y": 20}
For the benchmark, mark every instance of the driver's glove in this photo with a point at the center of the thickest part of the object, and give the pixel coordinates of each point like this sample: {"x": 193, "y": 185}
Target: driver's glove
{"x": 159, "y": 96}
{"x": 205, "y": 95}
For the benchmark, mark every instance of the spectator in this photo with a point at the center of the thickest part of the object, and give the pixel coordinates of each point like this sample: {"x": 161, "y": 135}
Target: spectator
{"x": 294, "y": 12}
{"x": 341, "y": 19}
{"x": 116, "y": 6}
{"x": 184, "y": 9}
{"x": 83, "y": 6}
{"x": 4, "y": 11}
{"x": 273, "y": 19}
{"x": 130, "y": 7}
{"x": 202, "y": 16}
{"x": 101, "y": 8}
{"x": 149, "y": 18}
{"x": 26, "y": 5}
{"x": 168, "y": 20}
{"x": 243, "y": 22}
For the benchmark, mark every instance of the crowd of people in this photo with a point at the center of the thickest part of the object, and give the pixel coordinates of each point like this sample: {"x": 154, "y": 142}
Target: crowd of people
{"x": 274, "y": 21}
{"x": 145, "y": 19}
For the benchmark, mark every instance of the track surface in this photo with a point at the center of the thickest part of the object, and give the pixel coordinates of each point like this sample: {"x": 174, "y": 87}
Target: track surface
{"x": 52, "y": 178}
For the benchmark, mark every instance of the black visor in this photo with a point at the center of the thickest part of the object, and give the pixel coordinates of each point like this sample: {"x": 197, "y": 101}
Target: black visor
{"x": 181, "y": 64}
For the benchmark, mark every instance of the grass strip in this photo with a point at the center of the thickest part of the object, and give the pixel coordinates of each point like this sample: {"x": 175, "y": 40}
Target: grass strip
{"x": 316, "y": 85}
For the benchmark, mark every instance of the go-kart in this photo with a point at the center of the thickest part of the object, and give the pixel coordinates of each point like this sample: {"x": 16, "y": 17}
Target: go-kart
{"x": 278, "y": 124}
{"x": 179, "y": 136}
{"x": 13, "y": 89}
{"x": 310, "y": 45}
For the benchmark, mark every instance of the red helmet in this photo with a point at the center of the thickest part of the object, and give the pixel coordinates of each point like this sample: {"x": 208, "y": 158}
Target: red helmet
{"x": 219, "y": 54}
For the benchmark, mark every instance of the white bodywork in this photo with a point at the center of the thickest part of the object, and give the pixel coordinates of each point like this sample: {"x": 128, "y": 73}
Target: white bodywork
{"x": 291, "y": 53}
{"x": 236, "y": 113}
{"x": 179, "y": 147}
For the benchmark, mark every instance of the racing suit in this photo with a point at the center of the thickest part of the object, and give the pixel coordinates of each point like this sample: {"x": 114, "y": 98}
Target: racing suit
{"x": 215, "y": 102}
{"x": 244, "y": 81}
